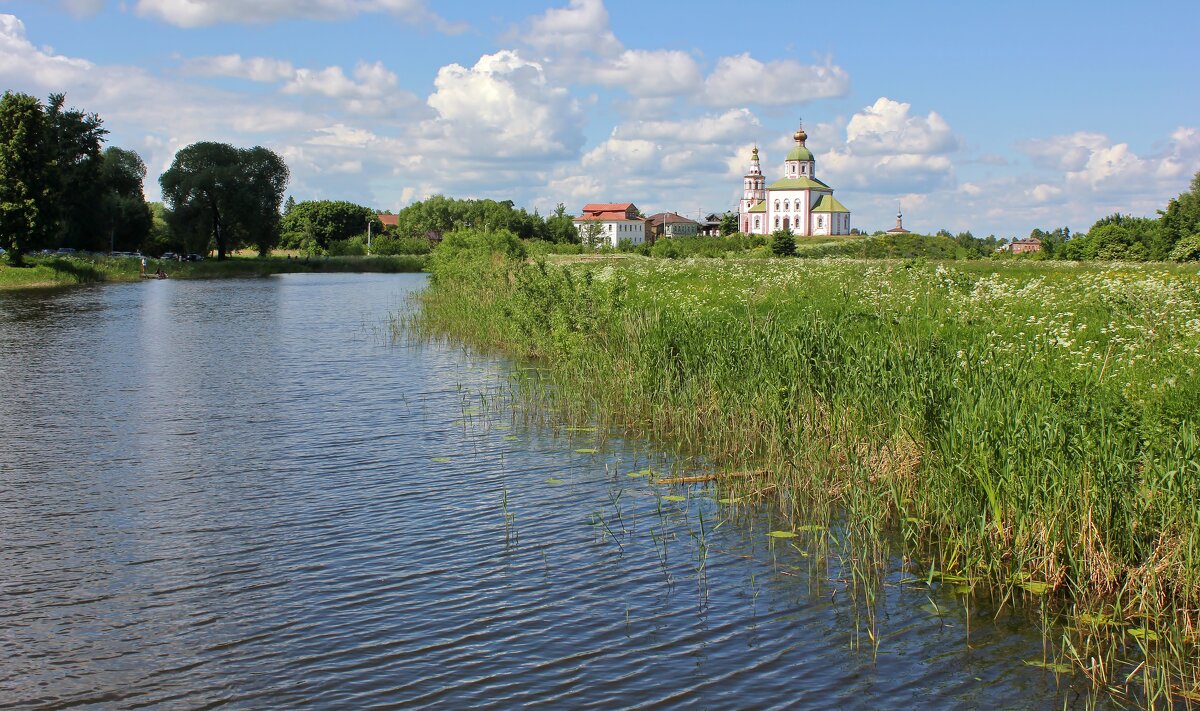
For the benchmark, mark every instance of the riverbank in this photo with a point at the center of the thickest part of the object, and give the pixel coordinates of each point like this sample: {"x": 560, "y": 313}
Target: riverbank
{"x": 1027, "y": 431}
{"x": 51, "y": 271}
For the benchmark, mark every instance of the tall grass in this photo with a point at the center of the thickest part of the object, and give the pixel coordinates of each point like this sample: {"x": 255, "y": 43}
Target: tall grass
{"x": 1031, "y": 430}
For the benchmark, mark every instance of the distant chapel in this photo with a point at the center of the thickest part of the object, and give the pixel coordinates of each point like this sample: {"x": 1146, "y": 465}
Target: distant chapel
{"x": 797, "y": 203}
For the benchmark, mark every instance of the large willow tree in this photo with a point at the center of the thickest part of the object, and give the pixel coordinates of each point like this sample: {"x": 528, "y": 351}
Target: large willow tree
{"x": 228, "y": 195}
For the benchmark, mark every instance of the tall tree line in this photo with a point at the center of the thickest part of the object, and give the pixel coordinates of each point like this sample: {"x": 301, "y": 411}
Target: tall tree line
{"x": 58, "y": 188}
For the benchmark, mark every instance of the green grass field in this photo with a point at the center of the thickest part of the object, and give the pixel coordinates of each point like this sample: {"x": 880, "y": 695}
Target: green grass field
{"x": 67, "y": 270}
{"x": 1031, "y": 429}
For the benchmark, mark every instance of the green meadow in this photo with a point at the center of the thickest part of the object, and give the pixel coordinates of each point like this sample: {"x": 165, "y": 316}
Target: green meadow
{"x": 1028, "y": 431}
{"x": 55, "y": 270}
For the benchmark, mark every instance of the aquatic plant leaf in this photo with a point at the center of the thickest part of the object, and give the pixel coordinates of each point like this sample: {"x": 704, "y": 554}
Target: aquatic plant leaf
{"x": 782, "y": 534}
{"x": 1056, "y": 667}
{"x": 1145, "y": 634}
{"x": 511, "y": 438}
{"x": 581, "y": 429}
{"x": 674, "y": 497}
{"x": 1036, "y": 587}
{"x": 915, "y": 521}
{"x": 1088, "y": 618}
{"x": 729, "y": 501}
{"x": 586, "y": 450}
{"x": 962, "y": 589}
{"x": 440, "y": 460}
{"x": 644, "y": 472}
{"x": 555, "y": 482}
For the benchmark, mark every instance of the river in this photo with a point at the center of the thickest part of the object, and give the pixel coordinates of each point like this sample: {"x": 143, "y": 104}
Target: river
{"x": 248, "y": 494}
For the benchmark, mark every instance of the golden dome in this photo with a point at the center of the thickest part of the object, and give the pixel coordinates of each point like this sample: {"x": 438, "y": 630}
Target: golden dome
{"x": 800, "y": 136}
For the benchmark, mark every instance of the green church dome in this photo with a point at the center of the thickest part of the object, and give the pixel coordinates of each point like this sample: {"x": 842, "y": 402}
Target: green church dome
{"x": 800, "y": 153}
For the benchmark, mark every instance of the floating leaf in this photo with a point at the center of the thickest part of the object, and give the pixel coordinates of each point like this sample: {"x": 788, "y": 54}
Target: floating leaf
{"x": 729, "y": 501}
{"x": 1036, "y": 587}
{"x": 440, "y": 460}
{"x": 674, "y": 497}
{"x": 1143, "y": 634}
{"x": 581, "y": 429}
{"x": 587, "y": 450}
{"x": 644, "y": 472}
{"x": 915, "y": 521}
{"x": 1056, "y": 667}
{"x": 962, "y": 589}
{"x": 511, "y": 438}
{"x": 781, "y": 534}
{"x": 1097, "y": 620}
{"x": 555, "y": 482}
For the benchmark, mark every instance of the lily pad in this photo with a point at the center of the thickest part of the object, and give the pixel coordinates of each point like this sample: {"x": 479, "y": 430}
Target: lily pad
{"x": 1056, "y": 667}
{"x": 643, "y": 472}
{"x": 511, "y": 438}
{"x": 586, "y": 450}
{"x": 555, "y": 482}
{"x": 1145, "y": 634}
{"x": 729, "y": 501}
{"x": 781, "y": 534}
{"x": 674, "y": 497}
{"x": 915, "y": 521}
{"x": 1036, "y": 587}
{"x": 962, "y": 589}
{"x": 1088, "y": 618}
{"x": 440, "y": 460}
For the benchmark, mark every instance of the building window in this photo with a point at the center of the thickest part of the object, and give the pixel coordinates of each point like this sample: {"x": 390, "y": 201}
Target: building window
{"x": 820, "y": 222}
{"x": 776, "y": 222}
{"x": 787, "y": 205}
{"x": 756, "y": 223}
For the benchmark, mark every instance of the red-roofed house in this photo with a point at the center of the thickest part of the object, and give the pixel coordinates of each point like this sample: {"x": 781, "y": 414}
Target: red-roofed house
{"x": 607, "y": 223}
{"x": 389, "y": 221}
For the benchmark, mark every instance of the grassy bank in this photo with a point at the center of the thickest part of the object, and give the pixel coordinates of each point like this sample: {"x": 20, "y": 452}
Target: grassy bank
{"x": 67, "y": 270}
{"x": 1027, "y": 431}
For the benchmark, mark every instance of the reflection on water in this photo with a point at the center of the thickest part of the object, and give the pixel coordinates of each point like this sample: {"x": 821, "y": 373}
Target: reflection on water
{"x": 244, "y": 493}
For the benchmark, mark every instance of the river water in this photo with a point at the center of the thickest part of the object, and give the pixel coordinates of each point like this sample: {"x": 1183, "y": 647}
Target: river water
{"x": 247, "y": 494}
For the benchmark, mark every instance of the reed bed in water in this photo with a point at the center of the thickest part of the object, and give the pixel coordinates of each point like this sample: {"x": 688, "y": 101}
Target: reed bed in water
{"x": 1029, "y": 429}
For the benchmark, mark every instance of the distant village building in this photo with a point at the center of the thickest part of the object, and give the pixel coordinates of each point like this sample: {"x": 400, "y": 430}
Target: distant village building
{"x": 899, "y": 228}
{"x": 1025, "y": 246}
{"x": 798, "y": 203}
{"x": 615, "y": 221}
{"x": 389, "y": 221}
{"x": 670, "y": 224}
{"x": 711, "y": 225}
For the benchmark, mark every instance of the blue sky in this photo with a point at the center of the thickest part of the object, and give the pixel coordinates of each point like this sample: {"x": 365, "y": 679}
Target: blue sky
{"x": 991, "y": 117}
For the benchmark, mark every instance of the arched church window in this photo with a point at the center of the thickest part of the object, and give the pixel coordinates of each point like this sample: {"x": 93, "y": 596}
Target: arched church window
{"x": 776, "y": 204}
{"x": 776, "y": 222}
{"x": 756, "y": 223}
{"x": 804, "y": 169}
{"x": 820, "y": 222}
{"x": 786, "y": 205}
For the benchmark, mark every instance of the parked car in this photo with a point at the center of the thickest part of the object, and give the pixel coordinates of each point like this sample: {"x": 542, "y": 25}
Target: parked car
{"x": 195, "y": 258}
{"x": 170, "y": 255}
{"x": 65, "y": 250}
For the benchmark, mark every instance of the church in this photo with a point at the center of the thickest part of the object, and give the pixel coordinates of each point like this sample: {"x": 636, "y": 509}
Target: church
{"x": 798, "y": 202}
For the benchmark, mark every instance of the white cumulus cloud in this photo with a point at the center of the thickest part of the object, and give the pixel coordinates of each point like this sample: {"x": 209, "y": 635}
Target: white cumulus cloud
{"x": 742, "y": 79}
{"x": 203, "y": 13}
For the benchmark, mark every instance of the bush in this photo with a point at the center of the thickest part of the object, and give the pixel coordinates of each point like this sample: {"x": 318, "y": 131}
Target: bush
{"x": 1187, "y": 249}
{"x": 466, "y": 253}
{"x": 783, "y": 244}
{"x": 390, "y": 245}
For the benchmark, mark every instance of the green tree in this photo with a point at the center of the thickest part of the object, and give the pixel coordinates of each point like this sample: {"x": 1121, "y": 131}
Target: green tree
{"x": 561, "y": 226}
{"x": 783, "y": 244}
{"x": 127, "y": 216}
{"x": 226, "y": 194}
{"x": 729, "y": 224}
{"x": 26, "y": 206}
{"x": 1181, "y": 218}
{"x": 326, "y": 221}
{"x": 591, "y": 234}
{"x": 79, "y": 202}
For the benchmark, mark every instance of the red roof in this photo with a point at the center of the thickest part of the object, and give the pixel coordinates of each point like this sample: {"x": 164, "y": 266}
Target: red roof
{"x": 389, "y": 220}
{"x": 607, "y": 207}
{"x": 609, "y": 215}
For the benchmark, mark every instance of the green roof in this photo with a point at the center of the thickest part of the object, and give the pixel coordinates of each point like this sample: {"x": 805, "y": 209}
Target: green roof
{"x": 829, "y": 203}
{"x": 760, "y": 207}
{"x": 800, "y": 153}
{"x": 798, "y": 184}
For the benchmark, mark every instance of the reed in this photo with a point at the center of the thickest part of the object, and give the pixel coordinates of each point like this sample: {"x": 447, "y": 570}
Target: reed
{"x": 1032, "y": 429}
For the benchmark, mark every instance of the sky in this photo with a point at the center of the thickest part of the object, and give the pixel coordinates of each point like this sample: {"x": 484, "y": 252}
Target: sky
{"x": 991, "y": 117}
